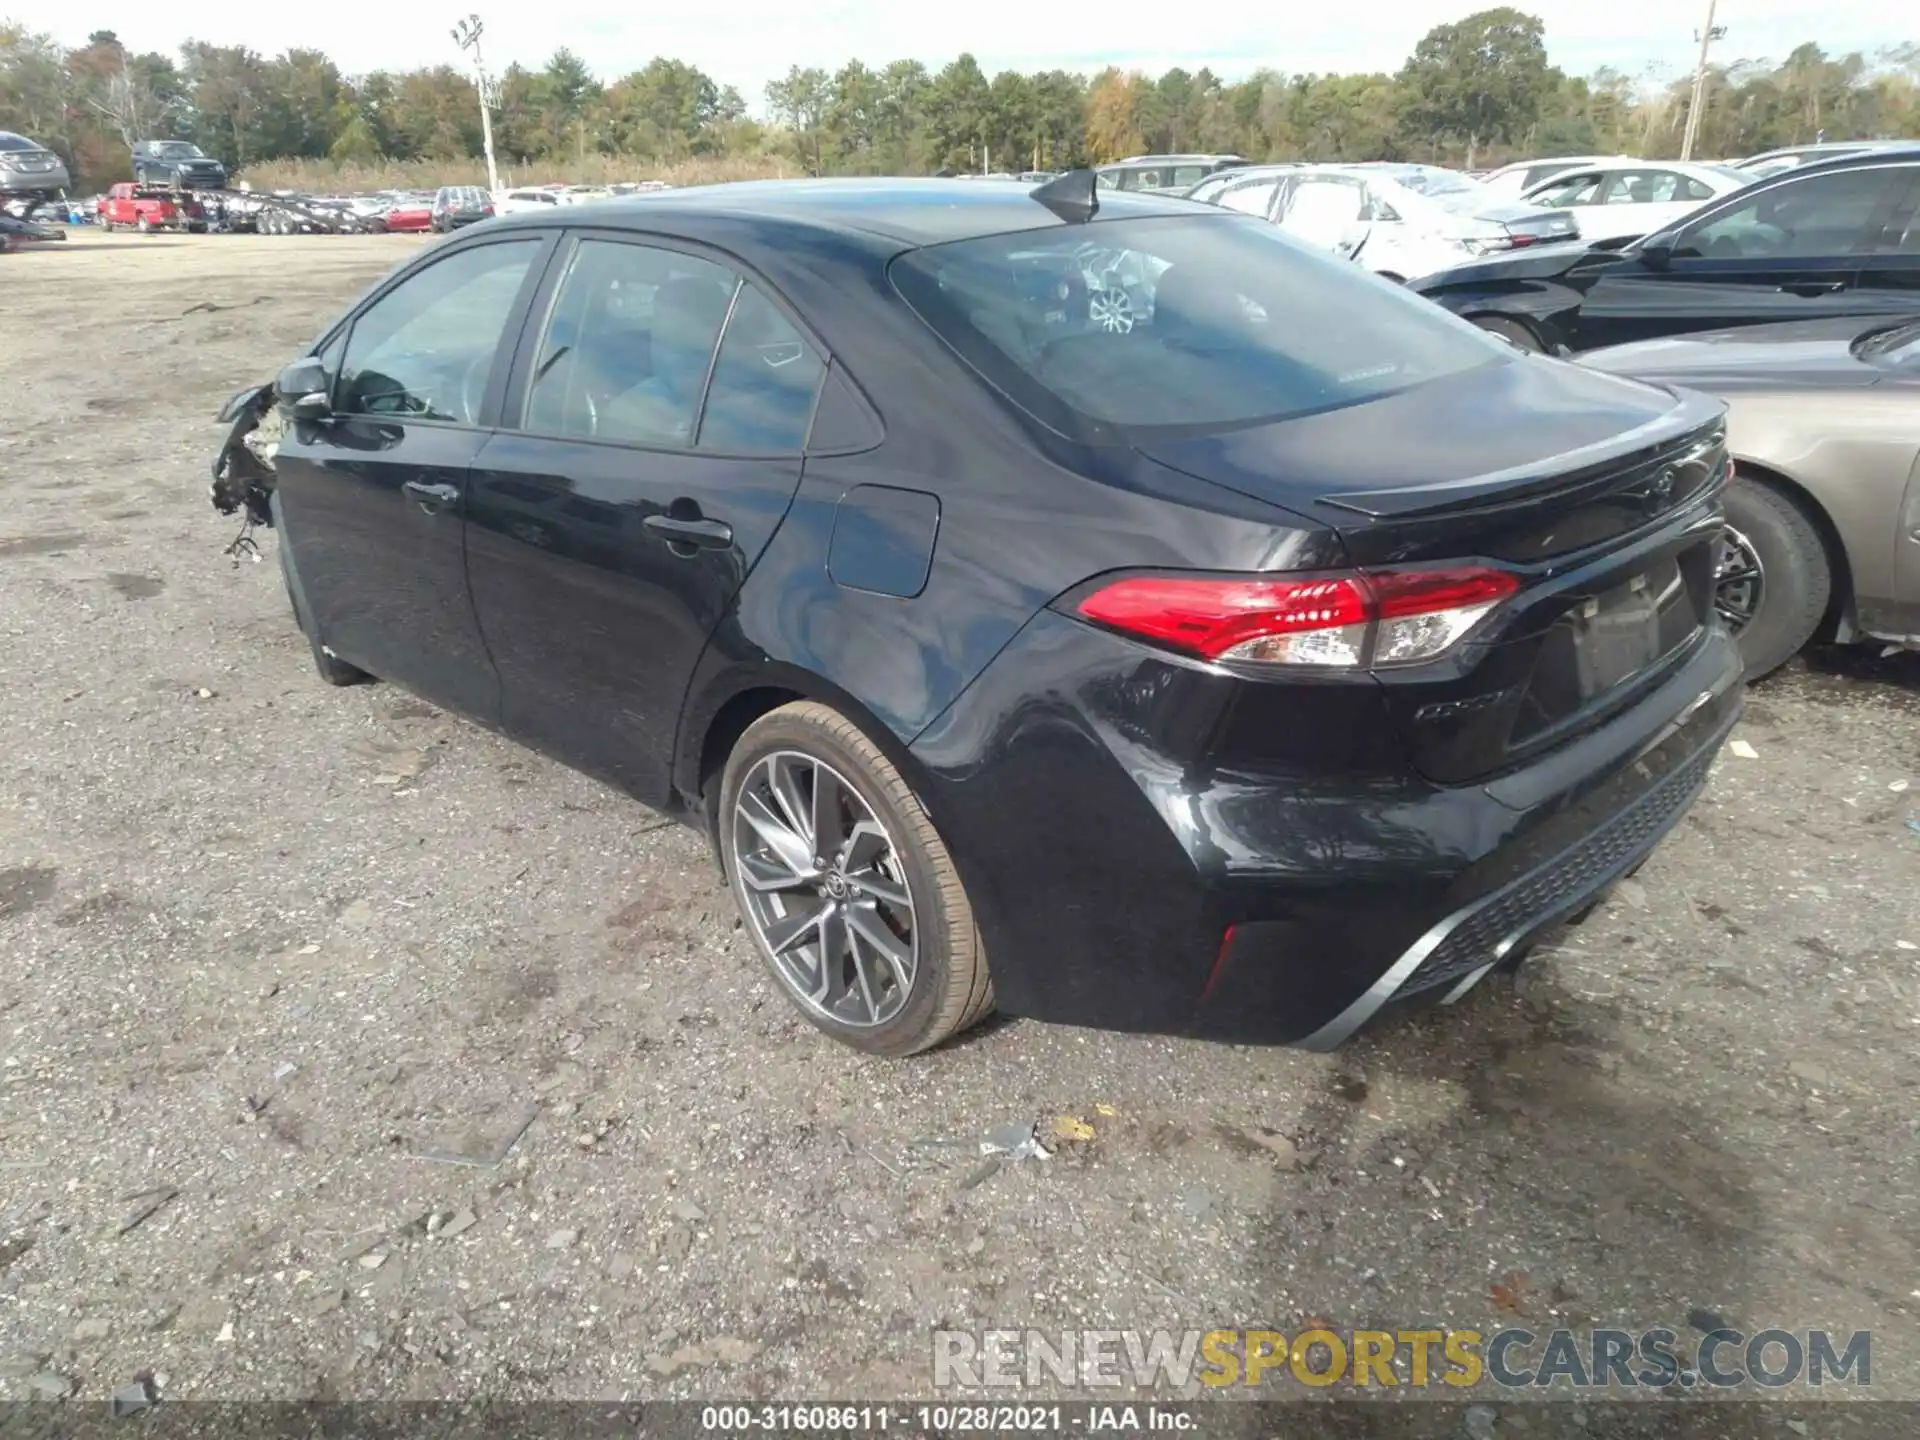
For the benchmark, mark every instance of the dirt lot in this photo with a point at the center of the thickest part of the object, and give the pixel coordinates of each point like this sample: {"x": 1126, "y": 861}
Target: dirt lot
{"x": 286, "y": 951}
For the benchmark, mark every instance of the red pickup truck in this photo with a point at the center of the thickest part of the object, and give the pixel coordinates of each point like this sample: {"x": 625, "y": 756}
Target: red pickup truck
{"x": 147, "y": 209}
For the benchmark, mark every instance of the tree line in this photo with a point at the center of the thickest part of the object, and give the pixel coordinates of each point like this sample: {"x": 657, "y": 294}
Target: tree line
{"x": 1472, "y": 92}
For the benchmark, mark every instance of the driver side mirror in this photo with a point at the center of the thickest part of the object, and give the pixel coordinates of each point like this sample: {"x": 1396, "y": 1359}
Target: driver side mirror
{"x": 303, "y": 388}
{"x": 1657, "y": 252}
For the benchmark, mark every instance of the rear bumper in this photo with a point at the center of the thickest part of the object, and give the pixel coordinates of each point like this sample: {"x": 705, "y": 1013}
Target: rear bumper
{"x": 1118, "y": 887}
{"x": 1599, "y": 840}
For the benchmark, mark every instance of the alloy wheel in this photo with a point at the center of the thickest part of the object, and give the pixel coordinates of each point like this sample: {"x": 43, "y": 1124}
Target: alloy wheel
{"x": 1739, "y": 580}
{"x": 824, "y": 889}
{"x": 1111, "y": 309}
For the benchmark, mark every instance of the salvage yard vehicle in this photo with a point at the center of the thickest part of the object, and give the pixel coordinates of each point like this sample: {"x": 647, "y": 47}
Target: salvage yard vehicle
{"x": 1829, "y": 238}
{"x": 18, "y": 234}
{"x": 1164, "y": 174}
{"x": 1625, "y": 199}
{"x": 1406, "y": 220}
{"x": 518, "y": 202}
{"x": 30, "y": 175}
{"x": 455, "y": 206}
{"x": 410, "y": 213}
{"x": 1513, "y": 181}
{"x": 142, "y": 208}
{"x": 1823, "y": 521}
{"x": 1296, "y": 651}
{"x": 177, "y": 165}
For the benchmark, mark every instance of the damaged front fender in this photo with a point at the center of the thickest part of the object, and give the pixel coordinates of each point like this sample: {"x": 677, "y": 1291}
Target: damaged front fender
{"x": 243, "y": 471}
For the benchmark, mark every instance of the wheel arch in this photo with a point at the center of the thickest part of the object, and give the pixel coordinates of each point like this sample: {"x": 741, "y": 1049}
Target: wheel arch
{"x": 1838, "y": 622}
{"x": 722, "y": 710}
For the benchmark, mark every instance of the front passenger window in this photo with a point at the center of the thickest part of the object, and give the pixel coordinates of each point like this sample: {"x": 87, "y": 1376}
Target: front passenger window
{"x": 1806, "y": 218}
{"x": 425, "y": 349}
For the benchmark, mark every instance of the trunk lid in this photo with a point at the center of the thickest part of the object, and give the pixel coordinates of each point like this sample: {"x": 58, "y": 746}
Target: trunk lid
{"x": 1599, "y": 494}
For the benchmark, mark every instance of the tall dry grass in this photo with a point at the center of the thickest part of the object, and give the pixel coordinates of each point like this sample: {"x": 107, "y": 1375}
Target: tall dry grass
{"x": 327, "y": 176}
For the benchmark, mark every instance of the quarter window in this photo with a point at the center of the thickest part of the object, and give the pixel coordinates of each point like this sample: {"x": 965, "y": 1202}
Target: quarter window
{"x": 425, "y": 349}
{"x": 761, "y": 400}
{"x": 629, "y": 343}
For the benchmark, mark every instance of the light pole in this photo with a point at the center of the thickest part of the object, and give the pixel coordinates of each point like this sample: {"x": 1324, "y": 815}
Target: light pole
{"x": 1708, "y": 34}
{"x": 466, "y": 35}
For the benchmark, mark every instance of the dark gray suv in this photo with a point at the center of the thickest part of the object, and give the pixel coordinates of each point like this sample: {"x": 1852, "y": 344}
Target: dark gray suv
{"x": 458, "y": 205}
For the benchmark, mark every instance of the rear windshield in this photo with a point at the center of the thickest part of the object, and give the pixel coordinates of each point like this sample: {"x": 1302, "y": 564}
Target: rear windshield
{"x": 10, "y": 141}
{"x": 1195, "y": 323}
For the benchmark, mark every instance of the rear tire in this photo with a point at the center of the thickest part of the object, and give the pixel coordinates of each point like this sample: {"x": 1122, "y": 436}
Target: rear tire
{"x": 1784, "y": 604}
{"x": 143, "y": 225}
{"x": 949, "y": 988}
{"x": 1511, "y": 330}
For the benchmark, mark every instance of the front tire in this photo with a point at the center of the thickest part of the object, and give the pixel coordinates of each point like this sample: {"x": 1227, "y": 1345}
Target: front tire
{"x": 1773, "y": 581}
{"x": 845, "y": 886}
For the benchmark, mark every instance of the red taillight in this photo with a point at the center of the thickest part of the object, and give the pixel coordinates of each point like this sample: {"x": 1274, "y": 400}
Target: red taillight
{"x": 1393, "y": 617}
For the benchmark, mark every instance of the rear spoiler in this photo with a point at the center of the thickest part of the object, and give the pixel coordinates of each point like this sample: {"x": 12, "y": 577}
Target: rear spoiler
{"x": 1675, "y": 437}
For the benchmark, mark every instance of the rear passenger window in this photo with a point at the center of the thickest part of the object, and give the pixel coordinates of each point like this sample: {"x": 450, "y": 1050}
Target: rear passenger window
{"x": 628, "y": 345}
{"x": 761, "y": 401}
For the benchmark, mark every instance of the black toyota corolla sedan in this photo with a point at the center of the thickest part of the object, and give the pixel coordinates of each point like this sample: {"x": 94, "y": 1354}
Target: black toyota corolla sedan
{"x": 1294, "y": 650}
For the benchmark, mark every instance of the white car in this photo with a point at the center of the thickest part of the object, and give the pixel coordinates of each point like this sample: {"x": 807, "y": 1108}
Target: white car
{"x": 519, "y": 202}
{"x": 1405, "y": 221}
{"x": 1517, "y": 179}
{"x": 1625, "y": 199}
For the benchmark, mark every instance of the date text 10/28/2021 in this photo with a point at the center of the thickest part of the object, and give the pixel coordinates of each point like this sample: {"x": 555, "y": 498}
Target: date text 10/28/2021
{"x": 946, "y": 1419}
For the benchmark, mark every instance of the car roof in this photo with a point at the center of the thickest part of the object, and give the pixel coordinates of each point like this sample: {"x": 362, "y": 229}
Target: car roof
{"x": 1567, "y": 160}
{"x": 1837, "y": 148}
{"x": 1888, "y": 152}
{"x": 1185, "y": 155}
{"x": 1685, "y": 167}
{"x": 912, "y": 212}
{"x": 1267, "y": 167}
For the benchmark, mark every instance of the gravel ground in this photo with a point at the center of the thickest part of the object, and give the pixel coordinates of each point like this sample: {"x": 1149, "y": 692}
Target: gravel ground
{"x": 276, "y": 956}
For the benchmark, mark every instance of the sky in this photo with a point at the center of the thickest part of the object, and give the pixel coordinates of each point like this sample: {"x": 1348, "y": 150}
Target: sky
{"x": 746, "y": 43}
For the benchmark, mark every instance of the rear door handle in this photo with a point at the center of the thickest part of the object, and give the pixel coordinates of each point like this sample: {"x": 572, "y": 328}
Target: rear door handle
{"x": 431, "y": 498}
{"x": 1811, "y": 288}
{"x": 678, "y": 530}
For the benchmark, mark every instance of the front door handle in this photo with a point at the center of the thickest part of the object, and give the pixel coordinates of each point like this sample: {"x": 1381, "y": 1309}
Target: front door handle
{"x": 1811, "y": 288}
{"x": 431, "y": 498}
{"x": 680, "y": 530}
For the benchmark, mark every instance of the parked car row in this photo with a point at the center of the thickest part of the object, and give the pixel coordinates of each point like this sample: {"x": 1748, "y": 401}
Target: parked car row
{"x": 1818, "y": 264}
